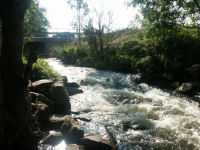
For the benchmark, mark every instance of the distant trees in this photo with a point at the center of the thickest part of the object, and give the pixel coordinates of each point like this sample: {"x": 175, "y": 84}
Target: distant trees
{"x": 35, "y": 21}
{"x": 82, "y": 10}
{"x": 96, "y": 30}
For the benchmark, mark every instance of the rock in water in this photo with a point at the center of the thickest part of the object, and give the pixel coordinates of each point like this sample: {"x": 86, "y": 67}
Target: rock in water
{"x": 73, "y": 88}
{"x": 185, "y": 87}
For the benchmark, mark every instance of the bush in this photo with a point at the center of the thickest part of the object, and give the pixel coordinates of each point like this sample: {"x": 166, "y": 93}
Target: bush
{"x": 41, "y": 70}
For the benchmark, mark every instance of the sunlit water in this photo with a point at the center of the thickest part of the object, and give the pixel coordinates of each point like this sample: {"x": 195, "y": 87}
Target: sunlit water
{"x": 139, "y": 116}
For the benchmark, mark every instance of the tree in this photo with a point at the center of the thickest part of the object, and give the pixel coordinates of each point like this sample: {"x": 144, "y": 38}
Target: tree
{"x": 35, "y": 21}
{"x": 100, "y": 31}
{"x": 90, "y": 33}
{"x": 82, "y": 9}
{"x": 104, "y": 23}
{"x": 97, "y": 28}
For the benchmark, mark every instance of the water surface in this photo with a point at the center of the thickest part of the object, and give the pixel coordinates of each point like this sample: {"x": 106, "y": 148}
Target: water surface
{"x": 138, "y": 116}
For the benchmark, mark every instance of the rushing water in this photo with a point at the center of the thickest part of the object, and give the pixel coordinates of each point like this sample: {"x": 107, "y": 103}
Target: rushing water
{"x": 139, "y": 117}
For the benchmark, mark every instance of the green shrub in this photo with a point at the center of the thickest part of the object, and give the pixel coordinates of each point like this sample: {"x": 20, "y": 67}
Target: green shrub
{"x": 41, "y": 70}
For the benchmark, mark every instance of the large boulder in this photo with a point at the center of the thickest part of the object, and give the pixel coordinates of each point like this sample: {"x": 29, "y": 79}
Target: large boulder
{"x": 60, "y": 96}
{"x": 54, "y": 90}
{"x": 41, "y": 86}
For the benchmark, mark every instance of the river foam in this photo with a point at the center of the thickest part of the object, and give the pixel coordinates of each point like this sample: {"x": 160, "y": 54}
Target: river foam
{"x": 139, "y": 116}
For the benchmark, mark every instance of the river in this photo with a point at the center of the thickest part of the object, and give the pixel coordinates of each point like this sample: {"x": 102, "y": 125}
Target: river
{"x": 139, "y": 116}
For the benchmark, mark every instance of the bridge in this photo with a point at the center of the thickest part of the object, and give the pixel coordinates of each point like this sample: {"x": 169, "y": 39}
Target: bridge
{"x": 42, "y": 42}
{"x": 52, "y": 37}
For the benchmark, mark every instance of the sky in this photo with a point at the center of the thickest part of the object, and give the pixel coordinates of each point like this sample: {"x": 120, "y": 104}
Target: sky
{"x": 60, "y": 15}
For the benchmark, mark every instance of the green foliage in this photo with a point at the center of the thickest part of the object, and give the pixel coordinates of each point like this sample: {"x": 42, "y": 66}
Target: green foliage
{"x": 41, "y": 70}
{"x": 35, "y": 21}
{"x": 172, "y": 28}
{"x": 123, "y": 58}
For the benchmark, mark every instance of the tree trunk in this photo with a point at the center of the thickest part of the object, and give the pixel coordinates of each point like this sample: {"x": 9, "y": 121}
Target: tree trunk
{"x": 14, "y": 106}
{"x": 1, "y": 89}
